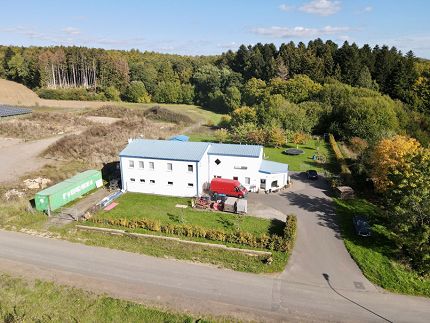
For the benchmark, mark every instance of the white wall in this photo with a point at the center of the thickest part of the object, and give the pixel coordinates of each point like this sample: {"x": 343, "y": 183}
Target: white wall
{"x": 230, "y": 167}
{"x": 179, "y": 176}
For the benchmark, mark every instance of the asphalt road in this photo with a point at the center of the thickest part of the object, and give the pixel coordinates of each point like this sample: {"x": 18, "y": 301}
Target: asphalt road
{"x": 301, "y": 293}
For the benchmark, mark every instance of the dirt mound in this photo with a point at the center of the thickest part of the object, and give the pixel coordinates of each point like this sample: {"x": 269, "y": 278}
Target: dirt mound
{"x": 17, "y": 94}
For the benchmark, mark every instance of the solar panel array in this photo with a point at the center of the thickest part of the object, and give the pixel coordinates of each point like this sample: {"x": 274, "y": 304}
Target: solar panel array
{"x": 7, "y": 111}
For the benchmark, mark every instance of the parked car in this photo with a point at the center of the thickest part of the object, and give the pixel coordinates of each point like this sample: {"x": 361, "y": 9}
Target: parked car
{"x": 361, "y": 226}
{"x": 312, "y": 174}
{"x": 229, "y": 187}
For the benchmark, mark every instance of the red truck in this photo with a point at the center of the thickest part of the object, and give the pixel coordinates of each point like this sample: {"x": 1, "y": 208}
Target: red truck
{"x": 229, "y": 187}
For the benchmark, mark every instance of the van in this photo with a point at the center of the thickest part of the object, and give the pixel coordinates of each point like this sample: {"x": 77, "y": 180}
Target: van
{"x": 229, "y": 187}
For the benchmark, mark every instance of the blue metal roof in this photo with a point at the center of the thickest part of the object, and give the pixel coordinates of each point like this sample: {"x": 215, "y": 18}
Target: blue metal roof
{"x": 269, "y": 167}
{"x": 180, "y": 138}
{"x": 235, "y": 150}
{"x": 165, "y": 149}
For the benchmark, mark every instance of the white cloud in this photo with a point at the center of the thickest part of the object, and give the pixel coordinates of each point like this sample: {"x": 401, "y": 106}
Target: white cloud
{"x": 284, "y": 32}
{"x": 321, "y": 7}
{"x": 71, "y": 31}
{"x": 368, "y": 9}
{"x": 230, "y": 45}
{"x": 285, "y": 7}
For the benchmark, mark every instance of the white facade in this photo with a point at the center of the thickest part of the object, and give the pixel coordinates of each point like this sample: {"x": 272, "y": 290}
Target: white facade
{"x": 143, "y": 172}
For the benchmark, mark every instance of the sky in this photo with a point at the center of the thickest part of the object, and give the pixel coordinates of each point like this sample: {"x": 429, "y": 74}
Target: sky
{"x": 202, "y": 27}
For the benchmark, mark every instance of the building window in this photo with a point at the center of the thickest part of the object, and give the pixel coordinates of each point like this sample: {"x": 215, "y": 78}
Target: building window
{"x": 235, "y": 178}
{"x": 217, "y": 161}
{"x": 131, "y": 163}
{"x": 132, "y": 180}
{"x": 169, "y": 167}
{"x": 240, "y": 167}
{"x": 170, "y": 183}
{"x": 142, "y": 180}
{"x": 190, "y": 184}
{"x": 152, "y": 181}
{"x": 141, "y": 165}
{"x": 247, "y": 180}
{"x": 151, "y": 165}
{"x": 190, "y": 168}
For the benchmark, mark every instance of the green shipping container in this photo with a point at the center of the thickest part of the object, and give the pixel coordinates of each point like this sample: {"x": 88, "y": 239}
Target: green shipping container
{"x": 62, "y": 193}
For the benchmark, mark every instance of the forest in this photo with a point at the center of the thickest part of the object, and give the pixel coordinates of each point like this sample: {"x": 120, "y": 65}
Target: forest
{"x": 375, "y": 99}
{"x": 313, "y": 88}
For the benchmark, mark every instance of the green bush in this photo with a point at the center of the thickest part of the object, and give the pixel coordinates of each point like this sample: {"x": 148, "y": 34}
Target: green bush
{"x": 136, "y": 92}
{"x": 112, "y": 93}
{"x": 339, "y": 156}
{"x": 272, "y": 242}
{"x": 80, "y": 94}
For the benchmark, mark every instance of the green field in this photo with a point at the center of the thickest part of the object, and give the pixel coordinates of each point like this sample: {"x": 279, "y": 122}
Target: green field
{"x": 38, "y": 301}
{"x": 304, "y": 162}
{"x": 375, "y": 255}
{"x": 162, "y": 208}
{"x": 197, "y": 113}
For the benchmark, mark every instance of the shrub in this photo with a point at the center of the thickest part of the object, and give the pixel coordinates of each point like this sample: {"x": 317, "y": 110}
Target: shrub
{"x": 339, "y": 156}
{"x": 221, "y": 135}
{"x": 136, "y": 92}
{"x": 358, "y": 145}
{"x": 272, "y": 242}
{"x": 112, "y": 93}
{"x": 81, "y": 94}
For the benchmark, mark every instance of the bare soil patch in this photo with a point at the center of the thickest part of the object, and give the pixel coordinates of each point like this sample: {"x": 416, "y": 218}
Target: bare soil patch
{"x": 102, "y": 120}
{"x": 21, "y": 157}
{"x": 42, "y": 124}
{"x": 102, "y": 143}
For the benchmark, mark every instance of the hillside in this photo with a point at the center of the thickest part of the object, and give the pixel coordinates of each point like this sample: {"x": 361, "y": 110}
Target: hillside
{"x": 17, "y": 94}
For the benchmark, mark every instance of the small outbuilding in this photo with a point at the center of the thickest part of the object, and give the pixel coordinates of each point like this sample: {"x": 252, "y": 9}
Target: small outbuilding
{"x": 345, "y": 192}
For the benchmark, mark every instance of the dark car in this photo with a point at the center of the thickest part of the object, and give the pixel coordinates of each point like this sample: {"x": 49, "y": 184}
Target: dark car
{"x": 312, "y": 174}
{"x": 361, "y": 226}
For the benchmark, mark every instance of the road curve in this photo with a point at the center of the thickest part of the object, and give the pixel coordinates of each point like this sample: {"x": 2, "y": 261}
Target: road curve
{"x": 199, "y": 288}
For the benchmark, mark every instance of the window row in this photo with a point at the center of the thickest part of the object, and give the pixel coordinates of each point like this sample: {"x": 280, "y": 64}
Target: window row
{"x": 153, "y": 182}
{"x": 141, "y": 165}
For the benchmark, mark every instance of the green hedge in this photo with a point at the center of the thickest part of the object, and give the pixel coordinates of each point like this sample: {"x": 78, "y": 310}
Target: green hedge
{"x": 80, "y": 94}
{"x": 264, "y": 241}
{"x": 339, "y": 156}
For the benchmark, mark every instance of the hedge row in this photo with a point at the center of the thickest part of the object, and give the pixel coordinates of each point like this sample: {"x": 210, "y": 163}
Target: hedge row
{"x": 339, "y": 156}
{"x": 264, "y": 241}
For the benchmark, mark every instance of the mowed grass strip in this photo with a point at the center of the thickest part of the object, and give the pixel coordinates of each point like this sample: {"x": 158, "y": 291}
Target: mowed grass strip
{"x": 303, "y": 162}
{"x": 162, "y": 208}
{"x": 38, "y": 301}
{"x": 376, "y": 255}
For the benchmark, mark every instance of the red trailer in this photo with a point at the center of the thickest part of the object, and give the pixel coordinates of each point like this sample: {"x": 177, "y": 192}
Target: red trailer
{"x": 229, "y": 187}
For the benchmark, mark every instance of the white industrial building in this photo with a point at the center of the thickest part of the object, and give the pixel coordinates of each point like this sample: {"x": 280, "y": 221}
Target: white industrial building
{"x": 183, "y": 168}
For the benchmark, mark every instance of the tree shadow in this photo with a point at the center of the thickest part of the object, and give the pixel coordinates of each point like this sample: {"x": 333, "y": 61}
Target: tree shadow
{"x": 321, "y": 183}
{"x": 276, "y": 227}
{"x": 321, "y": 207}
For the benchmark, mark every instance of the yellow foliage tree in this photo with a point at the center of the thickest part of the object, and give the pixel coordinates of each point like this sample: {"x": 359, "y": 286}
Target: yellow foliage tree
{"x": 389, "y": 154}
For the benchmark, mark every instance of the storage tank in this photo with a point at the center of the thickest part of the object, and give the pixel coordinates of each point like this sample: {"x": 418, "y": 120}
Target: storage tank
{"x": 64, "y": 192}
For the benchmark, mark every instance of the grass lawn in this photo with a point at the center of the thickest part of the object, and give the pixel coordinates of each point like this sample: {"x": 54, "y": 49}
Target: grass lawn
{"x": 197, "y": 113}
{"x": 375, "y": 255}
{"x": 301, "y": 163}
{"x": 162, "y": 208}
{"x": 38, "y": 301}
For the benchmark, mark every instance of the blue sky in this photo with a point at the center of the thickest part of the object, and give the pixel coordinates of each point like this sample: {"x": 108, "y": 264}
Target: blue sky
{"x": 213, "y": 26}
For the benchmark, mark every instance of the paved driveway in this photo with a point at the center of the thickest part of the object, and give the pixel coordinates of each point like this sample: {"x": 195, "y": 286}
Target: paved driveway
{"x": 319, "y": 249}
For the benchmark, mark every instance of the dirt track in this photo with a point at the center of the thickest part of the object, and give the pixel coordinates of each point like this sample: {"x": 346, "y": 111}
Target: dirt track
{"x": 18, "y": 157}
